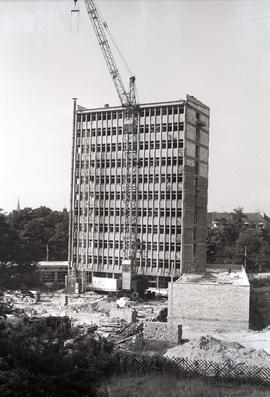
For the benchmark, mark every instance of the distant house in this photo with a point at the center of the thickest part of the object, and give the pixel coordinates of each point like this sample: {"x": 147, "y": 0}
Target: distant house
{"x": 253, "y": 220}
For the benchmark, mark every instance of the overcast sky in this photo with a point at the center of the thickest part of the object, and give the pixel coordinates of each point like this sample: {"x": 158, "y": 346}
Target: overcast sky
{"x": 218, "y": 51}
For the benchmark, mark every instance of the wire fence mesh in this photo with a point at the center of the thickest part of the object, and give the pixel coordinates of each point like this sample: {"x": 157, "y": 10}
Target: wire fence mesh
{"x": 132, "y": 363}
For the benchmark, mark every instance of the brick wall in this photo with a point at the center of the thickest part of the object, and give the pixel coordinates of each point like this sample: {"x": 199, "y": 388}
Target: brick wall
{"x": 209, "y": 307}
{"x": 162, "y": 331}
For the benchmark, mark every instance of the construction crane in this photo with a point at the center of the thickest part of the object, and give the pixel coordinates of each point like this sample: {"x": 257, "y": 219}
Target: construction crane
{"x": 130, "y": 128}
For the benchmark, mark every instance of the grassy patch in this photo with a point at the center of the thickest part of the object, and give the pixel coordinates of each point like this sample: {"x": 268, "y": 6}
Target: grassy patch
{"x": 167, "y": 386}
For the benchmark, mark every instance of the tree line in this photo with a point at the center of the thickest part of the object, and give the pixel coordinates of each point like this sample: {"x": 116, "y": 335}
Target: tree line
{"x": 233, "y": 241}
{"x": 28, "y": 235}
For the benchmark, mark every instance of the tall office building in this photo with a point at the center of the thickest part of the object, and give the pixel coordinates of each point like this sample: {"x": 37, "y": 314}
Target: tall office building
{"x": 172, "y": 183}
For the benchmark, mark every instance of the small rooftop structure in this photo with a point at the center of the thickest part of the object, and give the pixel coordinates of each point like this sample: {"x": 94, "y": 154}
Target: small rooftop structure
{"x": 217, "y": 274}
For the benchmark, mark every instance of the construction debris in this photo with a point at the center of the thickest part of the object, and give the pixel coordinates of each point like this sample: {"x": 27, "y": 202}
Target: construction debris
{"x": 212, "y": 349}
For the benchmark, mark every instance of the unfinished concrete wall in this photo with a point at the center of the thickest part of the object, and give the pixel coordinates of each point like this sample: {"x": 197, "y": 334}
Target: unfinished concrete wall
{"x": 129, "y": 315}
{"x": 162, "y": 331}
{"x": 209, "y": 307}
{"x": 195, "y": 186}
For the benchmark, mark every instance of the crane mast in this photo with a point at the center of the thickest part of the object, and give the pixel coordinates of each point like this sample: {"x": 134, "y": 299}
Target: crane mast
{"x": 130, "y": 137}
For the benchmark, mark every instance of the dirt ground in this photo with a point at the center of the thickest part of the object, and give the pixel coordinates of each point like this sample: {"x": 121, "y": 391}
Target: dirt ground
{"x": 92, "y": 308}
{"x": 259, "y": 340}
{"x": 209, "y": 348}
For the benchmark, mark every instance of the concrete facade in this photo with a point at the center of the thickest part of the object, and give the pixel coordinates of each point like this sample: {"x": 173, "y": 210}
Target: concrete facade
{"x": 215, "y": 300}
{"x": 172, "y": 180}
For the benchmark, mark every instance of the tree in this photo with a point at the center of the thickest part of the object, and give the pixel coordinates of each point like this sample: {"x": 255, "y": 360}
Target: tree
{"x": 233, "y": 239}
{"x": 9, "y": 241}
{"x": 39, "y": 229}
{"x": 24, "y": 238}
{"x": 221, "y": 241}
{"x": 37, "y": 361}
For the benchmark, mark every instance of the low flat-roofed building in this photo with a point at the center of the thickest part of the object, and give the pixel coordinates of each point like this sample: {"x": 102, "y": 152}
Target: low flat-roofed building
{"x": 217, "y": 299}
{"x": 53, "y": 273}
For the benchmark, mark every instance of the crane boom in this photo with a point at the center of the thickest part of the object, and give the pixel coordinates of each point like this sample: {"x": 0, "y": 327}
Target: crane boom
{"x": 107, "y": 52}
{"x": 130, "y": 136}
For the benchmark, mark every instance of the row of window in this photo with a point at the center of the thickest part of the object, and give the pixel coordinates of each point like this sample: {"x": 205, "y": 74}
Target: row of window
{"x": 141, "y": 195}
{"x": 155, "y": 229}
{"x": 163, "y": 161}
{"x": 164, "y": 127}
{"x": 146, "y": 145}
{"x": 110, "y": 228}
{"x": 118, "y": 179}
{"x": 150, "y": 246}
{"x": 164, "y": 110}
{"x": 145, "y": 262}
{"x": 163, "y": 195}
{"x": 152, "y": 162}
{"x": 150, "y": 212}
{"x": 143, "y": 129}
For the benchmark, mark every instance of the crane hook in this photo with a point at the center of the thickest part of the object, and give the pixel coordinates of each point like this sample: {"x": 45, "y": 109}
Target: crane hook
{"x": 76, "y": 8}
